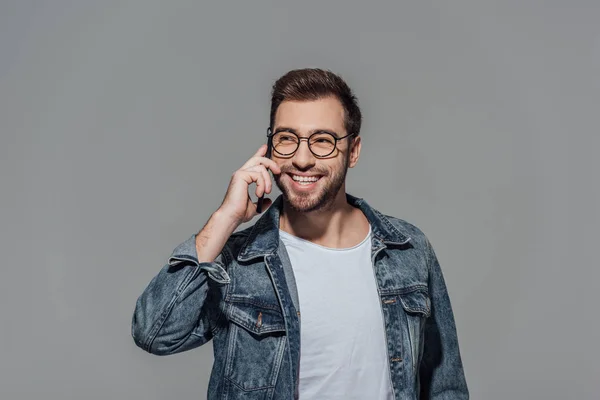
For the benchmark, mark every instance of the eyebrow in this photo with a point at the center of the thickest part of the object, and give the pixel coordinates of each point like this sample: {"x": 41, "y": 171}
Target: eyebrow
{"x": 318, "y": 130}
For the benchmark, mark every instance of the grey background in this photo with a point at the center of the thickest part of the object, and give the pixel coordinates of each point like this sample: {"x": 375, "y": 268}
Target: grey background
{"x": 122, "y": 122}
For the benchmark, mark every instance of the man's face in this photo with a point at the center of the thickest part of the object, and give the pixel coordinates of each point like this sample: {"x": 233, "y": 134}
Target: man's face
{"x": 300, "y": 170}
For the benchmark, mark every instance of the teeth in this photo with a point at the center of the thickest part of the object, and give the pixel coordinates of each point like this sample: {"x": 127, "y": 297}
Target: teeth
{"x": 305, "y": 178}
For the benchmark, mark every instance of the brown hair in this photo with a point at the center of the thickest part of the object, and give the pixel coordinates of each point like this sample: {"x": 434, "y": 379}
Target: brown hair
{"x": 313, "y": 84}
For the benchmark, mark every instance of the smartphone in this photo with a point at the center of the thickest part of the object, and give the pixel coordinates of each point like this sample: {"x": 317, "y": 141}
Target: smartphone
{"x": 259, "y": 204}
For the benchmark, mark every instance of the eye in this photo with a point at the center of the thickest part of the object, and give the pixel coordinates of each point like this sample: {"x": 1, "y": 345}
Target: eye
{"x": 285, "y": 137}
{"x": 323, "y": 139}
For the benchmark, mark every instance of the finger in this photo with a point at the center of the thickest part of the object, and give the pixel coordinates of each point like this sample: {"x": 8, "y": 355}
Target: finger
{"x": 260, "y": 186}
{"x": 272, "y": 165}
{"x": 250, "y": 176}
{"x": 267, "y": 162}
{"x": 262, "y": 150}
{"x": 266, "y": 176}
{"x": 258, "y": 178}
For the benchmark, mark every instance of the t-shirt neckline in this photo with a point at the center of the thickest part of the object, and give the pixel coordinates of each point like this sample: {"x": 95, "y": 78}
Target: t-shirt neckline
{"x": 308, "y": 242}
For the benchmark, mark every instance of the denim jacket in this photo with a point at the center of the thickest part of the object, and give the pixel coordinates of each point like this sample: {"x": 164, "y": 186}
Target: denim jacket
{"x": 246, "y": 302}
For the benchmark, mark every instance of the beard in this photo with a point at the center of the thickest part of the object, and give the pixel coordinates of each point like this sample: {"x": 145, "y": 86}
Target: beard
{"x": 321, "y": 198}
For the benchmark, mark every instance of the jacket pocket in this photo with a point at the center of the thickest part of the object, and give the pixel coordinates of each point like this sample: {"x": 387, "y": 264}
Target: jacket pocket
{"x": 416, "y": 302}
{"x": 255, "y": 344}
{"x": 417, "y": 308}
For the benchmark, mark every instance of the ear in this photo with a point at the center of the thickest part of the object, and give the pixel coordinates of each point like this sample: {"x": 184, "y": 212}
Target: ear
{"x": 354, "y": 152}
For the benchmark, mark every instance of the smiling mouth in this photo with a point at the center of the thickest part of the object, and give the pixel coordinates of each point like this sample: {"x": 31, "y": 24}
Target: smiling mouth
{"x": 305, "y": 180}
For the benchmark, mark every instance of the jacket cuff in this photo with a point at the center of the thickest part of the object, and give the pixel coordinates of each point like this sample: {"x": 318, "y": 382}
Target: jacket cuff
{"x": 185, "y": 252}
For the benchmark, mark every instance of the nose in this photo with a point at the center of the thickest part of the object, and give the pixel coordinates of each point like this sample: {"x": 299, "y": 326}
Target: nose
{"x": 303, "y": 159}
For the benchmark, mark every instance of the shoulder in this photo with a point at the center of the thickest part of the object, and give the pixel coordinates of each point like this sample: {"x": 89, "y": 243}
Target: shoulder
{"x": 419, "y": 241}
{"x": 416, "y": 235}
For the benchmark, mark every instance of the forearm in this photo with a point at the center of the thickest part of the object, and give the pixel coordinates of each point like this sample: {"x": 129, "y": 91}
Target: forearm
{"x": 213, "y": 236}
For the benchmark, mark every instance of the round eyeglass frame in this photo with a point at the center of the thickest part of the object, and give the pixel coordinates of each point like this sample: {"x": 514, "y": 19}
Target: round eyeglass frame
{"x": 270, "y": 135}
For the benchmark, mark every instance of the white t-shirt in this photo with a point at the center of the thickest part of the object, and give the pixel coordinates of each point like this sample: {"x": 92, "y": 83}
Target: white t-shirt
{"x": 342, "y": 350}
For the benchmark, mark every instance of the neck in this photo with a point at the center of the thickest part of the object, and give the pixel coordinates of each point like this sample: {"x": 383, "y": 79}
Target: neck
{"x": 337, "y": 225}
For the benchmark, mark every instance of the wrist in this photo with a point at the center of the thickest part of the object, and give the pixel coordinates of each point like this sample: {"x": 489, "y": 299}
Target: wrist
{"x": 225, "y": 219}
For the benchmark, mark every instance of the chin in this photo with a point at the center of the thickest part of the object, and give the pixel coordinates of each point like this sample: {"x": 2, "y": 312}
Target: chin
{"x": 306, "y": 202}
{"x": 322, "y": 197}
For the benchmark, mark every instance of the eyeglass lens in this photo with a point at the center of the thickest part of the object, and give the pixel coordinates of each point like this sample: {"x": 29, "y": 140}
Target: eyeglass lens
{"x": 321, "y": 144}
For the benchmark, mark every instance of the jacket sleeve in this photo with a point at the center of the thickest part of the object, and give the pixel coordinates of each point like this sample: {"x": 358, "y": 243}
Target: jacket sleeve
{"x": 441, "y": 370}
{"x": 177, "y": 309}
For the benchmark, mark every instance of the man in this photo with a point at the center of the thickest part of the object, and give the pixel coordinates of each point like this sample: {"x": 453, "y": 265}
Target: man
{"x": 324, "y": 297}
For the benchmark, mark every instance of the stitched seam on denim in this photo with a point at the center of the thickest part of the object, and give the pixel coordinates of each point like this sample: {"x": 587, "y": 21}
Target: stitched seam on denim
{"x": 391, "y": 226}
{"x": 229, "y": 363}
{"x": 425, "y": 310}
{"x": 229, "y": 356}
{"x": 388, "y": 347}
{"x": 243, "y": 236}
{"x": 255, "y": 230}
{"x": 182, "y": 257}
{"x": 406, "y": 290}
{"x": 227, "y": 259}
{"x": 164, "y": 315}
{"x": 231, "y": 298}
{"x": 411, "y": 337}
{"x": 252, "y": 327}
{"x": 248, "y": 390}
{"x": 416, "y": 309}
{"x": 220, "y": 322}
{"x": 429, "y": 256}
{"x": 233, "y": 316}
{"x": 285, "y": 320}
{"x": 278, "y": 361}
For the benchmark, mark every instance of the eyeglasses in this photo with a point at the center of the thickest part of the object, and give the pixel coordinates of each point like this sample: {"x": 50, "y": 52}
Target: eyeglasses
{"x": 320, "y": 144}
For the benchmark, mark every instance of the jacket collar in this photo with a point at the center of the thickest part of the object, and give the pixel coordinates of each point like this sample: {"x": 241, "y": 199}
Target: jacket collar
{"x": 264, "y": 235}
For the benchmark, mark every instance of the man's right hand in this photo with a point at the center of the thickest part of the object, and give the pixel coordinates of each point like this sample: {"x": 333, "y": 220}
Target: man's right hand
{"x": 237, "y": 206}
{"x": 237, "y": 203}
